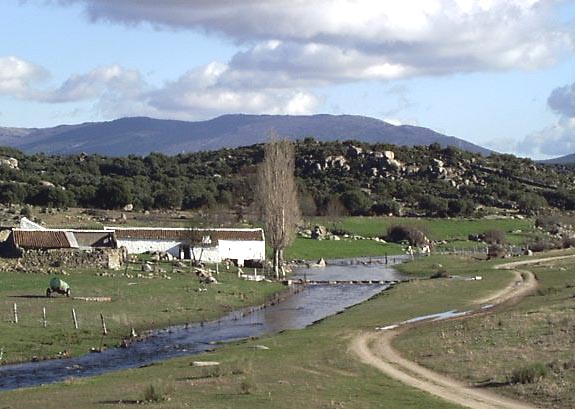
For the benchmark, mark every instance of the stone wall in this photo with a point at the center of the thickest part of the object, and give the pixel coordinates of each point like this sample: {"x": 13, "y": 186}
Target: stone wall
{"x": 72, "y": 258}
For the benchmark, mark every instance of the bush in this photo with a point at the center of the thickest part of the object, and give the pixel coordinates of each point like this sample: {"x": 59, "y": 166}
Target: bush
{"x": 529, "y": 374}
{"x": 544, "y": 245}
{"x": 247, "y": 387}
{"x": 156, "y": 393}
{"x": 414, "y": 236}
{"x": 433, "y": 206}
{"x": 439, "y": 274}
{"x": 386, "y": 207}
{"x": 493, "y": 237}
{"x": 26, "y": 212}
{"x": 567, "y": 242}
{"x": 357, "y": 202}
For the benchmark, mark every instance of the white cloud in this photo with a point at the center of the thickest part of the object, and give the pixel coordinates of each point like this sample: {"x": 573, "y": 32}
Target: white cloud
{"x": 207, "y": 91}
{"x": 292, "y": 46}
{"x": 216, "y": 89}
{"x": 103, "y": 81}
{"x": 558, "y": 139}
{"x": 16, "y": 76}
{"x": 562, "y": 100}
{"x": 313, "y": 64}
{"x": 392, "y": 38}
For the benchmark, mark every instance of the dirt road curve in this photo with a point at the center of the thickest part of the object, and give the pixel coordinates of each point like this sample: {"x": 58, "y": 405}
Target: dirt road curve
{"x": 375, "y": 348}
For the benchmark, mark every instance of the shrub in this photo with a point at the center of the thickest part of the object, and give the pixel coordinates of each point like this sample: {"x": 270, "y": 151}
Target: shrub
{"x": 247, "y": 387}
{"x": 386, "y": 207}
{"x": 567, "y": 242}
{"x": 414, "y": 236}
{"x": 357, "y": 202}
{"x": 543, "y": 245}
{"x": 156, "y": 393}
{"x": 496, "y": 251}
{"x": 529, "y": 374}
{"x": 25, "y": 211}
{"x": 441, "y": 273}
{"x": 493, "y": 237}
{"x": 433, "y": 206}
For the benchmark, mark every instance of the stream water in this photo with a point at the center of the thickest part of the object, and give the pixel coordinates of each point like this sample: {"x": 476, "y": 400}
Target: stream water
{"x": 302, "y": 308}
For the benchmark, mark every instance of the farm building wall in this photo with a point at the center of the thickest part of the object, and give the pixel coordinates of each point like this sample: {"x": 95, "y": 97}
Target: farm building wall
{"x": 242, "y": 250}
{"x": 226, "y": 249}
{"x": 138, "y": 246}
{"x": 72, "y": 258}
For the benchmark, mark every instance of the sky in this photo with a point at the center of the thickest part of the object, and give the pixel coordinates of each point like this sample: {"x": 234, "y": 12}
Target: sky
{"x": 498, "y": 73}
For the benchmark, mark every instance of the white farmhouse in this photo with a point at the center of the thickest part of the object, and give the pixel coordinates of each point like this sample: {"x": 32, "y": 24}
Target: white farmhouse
{"x": 207, "y": 245}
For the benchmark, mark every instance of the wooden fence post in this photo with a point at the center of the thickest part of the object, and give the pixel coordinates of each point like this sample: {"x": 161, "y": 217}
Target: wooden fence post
{"x": 75, "y": 318}
{"x": 15, "y": 310}
{"x": 104, "y": 329}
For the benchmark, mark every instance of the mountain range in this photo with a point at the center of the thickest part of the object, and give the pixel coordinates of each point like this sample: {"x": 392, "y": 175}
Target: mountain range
{"x": 141, "y": 135}
{"x": 562, "y": 160}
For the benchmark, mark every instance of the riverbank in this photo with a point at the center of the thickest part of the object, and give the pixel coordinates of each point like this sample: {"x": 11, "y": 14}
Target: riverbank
{"x": 138, "y": 303}
{"x": 295, "y": 308}
{"x": 312, "y": 367}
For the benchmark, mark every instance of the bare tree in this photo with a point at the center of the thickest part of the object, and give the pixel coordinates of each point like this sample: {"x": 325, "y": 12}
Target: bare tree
{"x": 277, "y": 198}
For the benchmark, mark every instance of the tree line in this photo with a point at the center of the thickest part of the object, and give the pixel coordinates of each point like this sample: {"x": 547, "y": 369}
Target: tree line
{"x": 333, "y": 178}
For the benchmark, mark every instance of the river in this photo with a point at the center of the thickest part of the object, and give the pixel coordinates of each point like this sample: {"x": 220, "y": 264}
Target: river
{"x": 304, "y": 306}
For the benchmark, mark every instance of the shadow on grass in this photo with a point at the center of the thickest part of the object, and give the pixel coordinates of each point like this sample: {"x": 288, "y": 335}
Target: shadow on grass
{"x": 28, "y": 296}
{"x": 491, "y": 384}
{"x": 120, "y": 402}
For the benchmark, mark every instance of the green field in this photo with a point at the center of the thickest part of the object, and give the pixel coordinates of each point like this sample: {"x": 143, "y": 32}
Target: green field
{"x": 311, "y": 368}
{"x": 491, "y": 350}
{"x": 454, "y": 232}
{"x": 139, "y": 303}
{"x": 309, "y": 249}
{"x": 436, "y": 229}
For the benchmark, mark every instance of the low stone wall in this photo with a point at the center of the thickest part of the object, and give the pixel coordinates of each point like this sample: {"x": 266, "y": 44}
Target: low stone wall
{"x": 73, "y": 258}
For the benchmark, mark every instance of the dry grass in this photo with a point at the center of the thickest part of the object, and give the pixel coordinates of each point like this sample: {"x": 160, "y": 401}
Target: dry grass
{"x": 496, "y": 351}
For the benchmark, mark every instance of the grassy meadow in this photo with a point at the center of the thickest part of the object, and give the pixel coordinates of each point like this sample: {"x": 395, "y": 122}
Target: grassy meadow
{"x": 136, "y": 302}
{"x": 454, "y": 232}
{"x": 436, "y": 229}
{"x": 310, "y": 368}
{"x": 525, "y": 351}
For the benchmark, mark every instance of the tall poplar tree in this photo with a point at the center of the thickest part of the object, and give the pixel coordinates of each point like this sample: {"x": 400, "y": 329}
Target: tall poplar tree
{"x": 277, "y": 198}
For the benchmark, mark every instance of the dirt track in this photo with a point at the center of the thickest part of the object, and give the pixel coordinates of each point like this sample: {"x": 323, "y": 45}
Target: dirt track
{"x": 375, "y": 348}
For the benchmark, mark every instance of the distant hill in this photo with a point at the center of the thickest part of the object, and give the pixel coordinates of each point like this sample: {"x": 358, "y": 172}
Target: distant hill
{"x": 142, "y": 135}
{"x": 562, "y": 160}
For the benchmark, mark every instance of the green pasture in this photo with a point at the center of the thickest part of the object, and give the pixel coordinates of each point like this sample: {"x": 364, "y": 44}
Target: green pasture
{"x": 140, "y": 303}
{"x": 309, "y": 249}
{"x": 538, "y": 332}
{"x": 436, "y": 229}
{"x": 309, "y": 368}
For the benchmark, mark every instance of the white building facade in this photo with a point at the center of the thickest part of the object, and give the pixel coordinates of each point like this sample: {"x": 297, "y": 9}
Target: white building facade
{"x": 206, "y": 245}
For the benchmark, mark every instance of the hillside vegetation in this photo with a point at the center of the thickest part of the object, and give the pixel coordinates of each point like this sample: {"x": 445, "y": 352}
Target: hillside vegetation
{"x": 335, "y": 179}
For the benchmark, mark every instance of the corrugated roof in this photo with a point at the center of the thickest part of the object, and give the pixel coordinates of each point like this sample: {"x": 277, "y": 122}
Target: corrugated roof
{"x": 193, "y": 234}
{"x": 41, "y": 239}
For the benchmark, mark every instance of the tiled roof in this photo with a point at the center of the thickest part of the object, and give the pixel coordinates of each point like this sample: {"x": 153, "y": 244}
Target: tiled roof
{"x": 186, "y": 234}
{"x": 40, "y": 239}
